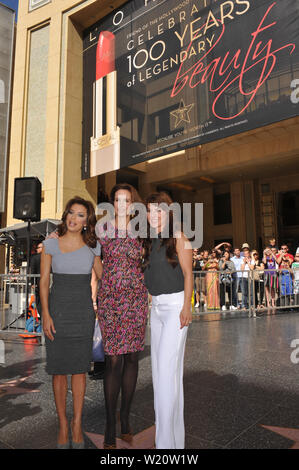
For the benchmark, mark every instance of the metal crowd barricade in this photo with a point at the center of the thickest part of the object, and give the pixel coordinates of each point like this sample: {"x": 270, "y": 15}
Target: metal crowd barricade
{"x": 253, "y": 292}
{"x": 214, "y": 292}
{"x": 14, "y": 288}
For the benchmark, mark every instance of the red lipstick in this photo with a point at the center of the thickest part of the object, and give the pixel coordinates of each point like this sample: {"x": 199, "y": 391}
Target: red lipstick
{"x": 105, "y": 149}
{"x": 105, "y": 54}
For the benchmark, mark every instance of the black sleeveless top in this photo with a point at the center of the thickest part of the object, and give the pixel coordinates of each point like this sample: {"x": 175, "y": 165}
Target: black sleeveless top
{"x": 160, "y": 277}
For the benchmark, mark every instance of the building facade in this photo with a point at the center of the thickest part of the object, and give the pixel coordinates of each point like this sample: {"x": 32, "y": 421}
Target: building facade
{"x": 7, "y": 34}
{"x": 248, "y": 183}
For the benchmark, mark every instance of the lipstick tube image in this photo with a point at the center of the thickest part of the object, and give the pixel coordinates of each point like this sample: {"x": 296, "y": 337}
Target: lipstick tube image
{"x": 105, "y": 148}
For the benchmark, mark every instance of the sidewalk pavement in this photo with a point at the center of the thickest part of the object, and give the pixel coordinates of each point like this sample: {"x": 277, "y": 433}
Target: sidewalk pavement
{"x": 241, "y": 390}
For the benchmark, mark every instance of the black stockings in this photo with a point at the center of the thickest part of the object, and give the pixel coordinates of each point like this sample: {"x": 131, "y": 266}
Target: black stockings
{"x": 120, "y": 373}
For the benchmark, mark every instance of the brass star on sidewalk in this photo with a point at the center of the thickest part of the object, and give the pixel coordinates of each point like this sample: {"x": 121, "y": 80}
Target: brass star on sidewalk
{"x": 182, "y": 113}
{"x": 12, "y": 387}
{"x": 144, "y": 440}
{"x": 288, "y": 433}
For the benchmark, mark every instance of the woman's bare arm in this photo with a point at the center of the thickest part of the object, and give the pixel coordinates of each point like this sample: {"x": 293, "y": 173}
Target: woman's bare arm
{"x": 184, "y": 251}
{"x": 48, "y": 325}
{"x": 98, "y": 267}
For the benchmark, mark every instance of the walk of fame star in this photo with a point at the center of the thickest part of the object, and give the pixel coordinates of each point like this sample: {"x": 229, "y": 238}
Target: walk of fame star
{"x": 182, "y": 113}
{"x": 289, "y": 433}
{"x": 143, "y": 440}
{"x": 12, "y": 387}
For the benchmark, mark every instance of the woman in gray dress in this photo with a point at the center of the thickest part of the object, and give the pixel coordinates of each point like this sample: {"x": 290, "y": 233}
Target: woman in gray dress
{"x": 68, "y": 313}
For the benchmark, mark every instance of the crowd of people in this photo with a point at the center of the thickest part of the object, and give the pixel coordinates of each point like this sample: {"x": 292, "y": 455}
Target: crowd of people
{"x": 234, "y": 279}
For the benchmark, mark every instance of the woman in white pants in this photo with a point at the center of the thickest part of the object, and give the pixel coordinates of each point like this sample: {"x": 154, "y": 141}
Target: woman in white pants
{"x": 169, "y": 279}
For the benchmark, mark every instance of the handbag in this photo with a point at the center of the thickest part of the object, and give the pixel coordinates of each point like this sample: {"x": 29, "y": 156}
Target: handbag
{"x": 98, "y": 354}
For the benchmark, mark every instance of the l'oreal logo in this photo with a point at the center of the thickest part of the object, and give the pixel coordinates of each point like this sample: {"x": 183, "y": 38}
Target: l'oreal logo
{"x": 118, "y": 18}
{"x": 146, "y": 2}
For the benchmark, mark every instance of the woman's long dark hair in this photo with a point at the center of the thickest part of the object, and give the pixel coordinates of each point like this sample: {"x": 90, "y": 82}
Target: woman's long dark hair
{"x": 125, "y": 187}
{"x": 170, "y": 241}
{"x": 88, "y": 235}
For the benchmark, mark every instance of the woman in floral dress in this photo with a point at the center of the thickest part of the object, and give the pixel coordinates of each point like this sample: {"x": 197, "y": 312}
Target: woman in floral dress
{"x": 122, "y": 311}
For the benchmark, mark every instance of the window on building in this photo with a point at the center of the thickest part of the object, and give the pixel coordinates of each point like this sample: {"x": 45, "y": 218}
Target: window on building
{"x": 33, "y": 4}
{"x": 289, "y": 208}
{"x": 222, "y": 209}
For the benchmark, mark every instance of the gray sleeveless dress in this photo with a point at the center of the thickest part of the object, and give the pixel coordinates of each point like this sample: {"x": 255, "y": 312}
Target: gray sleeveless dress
{"x": 70, "y": 306}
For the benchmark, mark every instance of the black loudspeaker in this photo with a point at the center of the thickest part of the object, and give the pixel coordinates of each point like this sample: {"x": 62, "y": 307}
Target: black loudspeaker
{"x": 27, "y": 199}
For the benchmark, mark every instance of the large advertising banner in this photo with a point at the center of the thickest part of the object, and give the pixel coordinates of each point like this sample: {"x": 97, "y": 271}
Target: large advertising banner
{"x": 7, "y": 21}
{"x": 164, "y": 75}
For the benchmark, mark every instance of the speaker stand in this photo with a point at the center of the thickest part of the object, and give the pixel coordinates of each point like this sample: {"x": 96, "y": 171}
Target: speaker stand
{"x": 28, "y": 239}
{"x": 28, "y": 267}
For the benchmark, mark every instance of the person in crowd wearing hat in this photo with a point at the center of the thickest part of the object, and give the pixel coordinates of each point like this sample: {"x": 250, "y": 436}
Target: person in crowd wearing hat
{"x": 245, "y": 245}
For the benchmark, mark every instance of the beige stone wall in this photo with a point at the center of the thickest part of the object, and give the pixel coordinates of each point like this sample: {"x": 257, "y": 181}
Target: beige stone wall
{"x": 36, "y": 121}
{"x": 59, "y": 127}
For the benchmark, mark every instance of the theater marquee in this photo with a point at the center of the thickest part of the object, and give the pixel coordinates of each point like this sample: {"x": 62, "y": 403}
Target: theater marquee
{"x": 164, "y": 75}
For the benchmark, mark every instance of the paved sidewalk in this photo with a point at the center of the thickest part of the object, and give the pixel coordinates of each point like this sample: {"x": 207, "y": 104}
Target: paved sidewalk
{"x": 241, "y": 390}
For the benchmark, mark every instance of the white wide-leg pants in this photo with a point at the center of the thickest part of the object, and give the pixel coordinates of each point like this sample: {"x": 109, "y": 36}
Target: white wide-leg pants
{"x": 167, "y": 354}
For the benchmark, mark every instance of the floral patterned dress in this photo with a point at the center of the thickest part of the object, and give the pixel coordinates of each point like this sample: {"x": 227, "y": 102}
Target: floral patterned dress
{"x": 122, "y": 297}
{"x": 212, "y": 285}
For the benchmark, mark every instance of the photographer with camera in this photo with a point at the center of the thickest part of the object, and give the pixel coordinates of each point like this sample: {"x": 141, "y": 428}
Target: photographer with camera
{"x": 284, "y": 261}
{"x": 284, "y": 256}
{"x": 226, "y": 267}
{"x": 271, "y": 284}
{"x": 258, "y": 278}
{"x": 196, "y": 269}
{"x": 222, "y": 247}
{"x": 295, "y": 271}
{"x": 247, "y": 265}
